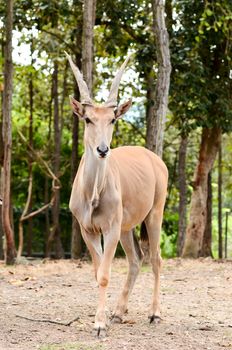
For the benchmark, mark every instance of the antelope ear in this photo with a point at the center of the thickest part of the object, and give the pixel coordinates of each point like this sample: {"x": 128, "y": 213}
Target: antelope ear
{"x": 122, "y": 109}
{"x": 77, "y": 107}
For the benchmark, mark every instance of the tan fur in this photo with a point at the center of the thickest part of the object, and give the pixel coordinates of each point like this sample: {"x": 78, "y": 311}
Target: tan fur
{"x": 110, "y": 196}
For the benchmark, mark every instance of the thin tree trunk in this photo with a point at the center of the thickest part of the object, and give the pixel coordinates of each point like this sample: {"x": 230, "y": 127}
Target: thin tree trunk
{"x": 76, "y": 242}
{"x": 30, "y": 160}
{"x": 64, "y": 94}
{"x": 24, "y": 213}
{"x": 207, "y": 238}
{"x": 150, "y": 140}
{"x": 156, "y": 123}
{"x": 1, "y": 164}
{"x": 1, "y": 117}
{"x": 210, "y": 141}
{"x": 220, "y": 248}
{"x": 46, "y": 196}
{"x": 1, "y": 229}
{"x": 1, "y": 158}
{"x": 182, "y": 194}
{"x": 1, "y": 238}
{"x": 28, "y": 205}
{"x": 55, "y": 234}
{"x": 7, "y": 136}
{"x": 47, "y": 219}
{"x": 1, "y": 146}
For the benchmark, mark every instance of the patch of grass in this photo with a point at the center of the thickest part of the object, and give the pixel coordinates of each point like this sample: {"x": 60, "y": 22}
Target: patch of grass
{"x": 73, "y": 346}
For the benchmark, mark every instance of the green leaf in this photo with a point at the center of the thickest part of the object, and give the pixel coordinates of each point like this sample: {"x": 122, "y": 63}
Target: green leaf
{"x": 209, "y": 12}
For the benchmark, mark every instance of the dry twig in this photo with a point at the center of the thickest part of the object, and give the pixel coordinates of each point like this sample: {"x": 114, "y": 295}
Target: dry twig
{"x": 67, "y": 324}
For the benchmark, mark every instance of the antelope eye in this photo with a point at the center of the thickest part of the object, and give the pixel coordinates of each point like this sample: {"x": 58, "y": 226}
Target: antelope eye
{"x": 113, "y": 121}
{"x": 88, "y": 121}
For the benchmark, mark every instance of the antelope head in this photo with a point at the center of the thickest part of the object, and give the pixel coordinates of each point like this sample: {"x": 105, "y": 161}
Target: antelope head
{"x": 99, "y": 120}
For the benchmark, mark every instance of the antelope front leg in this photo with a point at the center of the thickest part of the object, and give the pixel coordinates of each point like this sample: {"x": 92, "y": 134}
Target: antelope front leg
{"x": 103, "y": 276}
{"x": 93, "y": 243}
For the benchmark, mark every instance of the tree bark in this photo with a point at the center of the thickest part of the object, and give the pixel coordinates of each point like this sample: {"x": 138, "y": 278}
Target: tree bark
{"x": 210, "y": 141}
{"x": 28, "y": 205}
{"x": 182, "y": 194}
{"x": 30, "y": 160}
{"x": 1, "y": 146}
{"x": 1, "y": 164}
{"x": 150, "y": 140}
{"x": 46, "y": 188}
{"x": 7, "y": 136}
{"x": 47, "y": 218}
{"x": 24, "y": 213}
{"x": 56, "y": 232}
{"x": 1, "y": 230}
{"x": 89, "y": 12}
{"x": 156, "y": 123}
{"x": 76, "y": 241}
{"x": 220, "y": 248}
{"x": 206, "y": 249}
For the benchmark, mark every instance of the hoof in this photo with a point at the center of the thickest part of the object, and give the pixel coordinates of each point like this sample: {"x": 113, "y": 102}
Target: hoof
{"x": 154, "y": 319}
{"x": 100, "y": 332}
{"x": 116, "y": 319}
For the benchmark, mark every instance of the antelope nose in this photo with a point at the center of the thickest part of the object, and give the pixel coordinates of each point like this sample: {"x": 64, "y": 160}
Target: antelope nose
{"x": 103, "y": 150}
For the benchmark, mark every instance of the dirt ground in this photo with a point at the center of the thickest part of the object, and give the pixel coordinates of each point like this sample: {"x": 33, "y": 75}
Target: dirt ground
{"x": 196, "y": 301}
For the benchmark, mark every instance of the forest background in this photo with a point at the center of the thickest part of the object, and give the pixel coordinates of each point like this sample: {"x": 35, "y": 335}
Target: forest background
{"x": 47, "y": 138}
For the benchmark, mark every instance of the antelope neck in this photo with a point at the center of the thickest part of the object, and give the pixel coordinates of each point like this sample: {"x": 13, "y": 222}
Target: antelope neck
{"x": 94, "y": 176}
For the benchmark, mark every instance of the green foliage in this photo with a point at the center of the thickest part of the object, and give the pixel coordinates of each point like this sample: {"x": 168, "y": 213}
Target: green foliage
{"x": 201, "y": 60}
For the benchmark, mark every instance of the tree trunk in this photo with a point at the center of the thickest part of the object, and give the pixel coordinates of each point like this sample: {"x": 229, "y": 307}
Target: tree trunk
{"x": 24, "y": 213}
{"x": 156, "y": 122}
{"x": 210, "y": 141}
{"x": 47, "y": 219}
{"x": 55, "y": 234}
{"x": 150, "y": 140}
{"x": 1, "y": 230}
{"x": 207, "y": 238}
{"x": 87, "y": 69}
{"x": 28, "y": 205}
{"x": 30, "y": 160}
{"x": 220, "y": 248}
{"x": 76, "y": 242}
{"x": 182, "y": 194}
{"x": 64, "y": 95}
{"x": 47, "y": 232}
{"x": 7, "y": 136}
{"x": 1, "y": 96}
{"x": 87, "y": 42}
{"x": 1, "y": 146}
{"x": 1, "y": 164}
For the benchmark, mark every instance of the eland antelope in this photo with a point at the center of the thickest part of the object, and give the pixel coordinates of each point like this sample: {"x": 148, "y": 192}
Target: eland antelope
{"x": 113, "y": 191}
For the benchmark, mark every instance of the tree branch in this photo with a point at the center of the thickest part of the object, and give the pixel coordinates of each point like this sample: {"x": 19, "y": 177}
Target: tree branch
{"x": 71, "y": 47}
{"x": 42, "y": 162}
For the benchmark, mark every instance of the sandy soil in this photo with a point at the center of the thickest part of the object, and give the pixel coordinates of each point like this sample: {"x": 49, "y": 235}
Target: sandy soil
{"x": 196, "y": 307}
